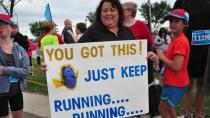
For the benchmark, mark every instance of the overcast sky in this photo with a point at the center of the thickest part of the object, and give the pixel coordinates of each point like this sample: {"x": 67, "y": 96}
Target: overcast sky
{"x": 33, "y": 10}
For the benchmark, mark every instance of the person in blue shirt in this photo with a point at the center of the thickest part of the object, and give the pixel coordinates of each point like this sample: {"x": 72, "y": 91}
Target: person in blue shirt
{"x": 14, "y": 67}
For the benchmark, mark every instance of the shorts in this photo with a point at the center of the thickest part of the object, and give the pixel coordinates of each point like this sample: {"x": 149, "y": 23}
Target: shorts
{"x": 172, "y": 95}
{"x": 14, "y": 100}
{"x": 197, "y": 61}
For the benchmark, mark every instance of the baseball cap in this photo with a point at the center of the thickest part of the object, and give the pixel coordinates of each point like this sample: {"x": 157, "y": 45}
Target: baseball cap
{"x": 6, "y": 18}
{"x": 179, "y": 13}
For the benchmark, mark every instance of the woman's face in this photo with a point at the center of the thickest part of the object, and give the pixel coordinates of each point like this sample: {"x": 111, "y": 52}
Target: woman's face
{"x": 126, "y": 11}
{"x": 109, "y": 15}
{"x": 5, "y": 29}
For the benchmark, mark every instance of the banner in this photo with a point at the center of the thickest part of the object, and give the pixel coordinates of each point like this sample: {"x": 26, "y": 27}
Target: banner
{"x": 47, "y": 13}
{"x": 97, "y": 80}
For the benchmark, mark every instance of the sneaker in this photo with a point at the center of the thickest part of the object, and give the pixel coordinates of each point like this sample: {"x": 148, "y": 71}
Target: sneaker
{"x": 32, "y": 73}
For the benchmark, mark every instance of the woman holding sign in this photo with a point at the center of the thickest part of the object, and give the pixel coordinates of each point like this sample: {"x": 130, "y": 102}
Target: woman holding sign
{"x": 108, "y": 25}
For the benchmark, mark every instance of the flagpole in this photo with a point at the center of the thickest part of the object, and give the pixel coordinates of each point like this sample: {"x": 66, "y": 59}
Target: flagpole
{"x": 149, "y": 16}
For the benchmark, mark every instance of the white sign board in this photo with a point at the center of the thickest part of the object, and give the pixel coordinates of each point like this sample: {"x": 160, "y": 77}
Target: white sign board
{"x": 97, "y": 80}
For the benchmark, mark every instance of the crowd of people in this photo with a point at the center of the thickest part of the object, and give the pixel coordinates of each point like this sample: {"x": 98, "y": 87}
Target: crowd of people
{"x": 169, "y": 53}
{"x": 16, "y": 60}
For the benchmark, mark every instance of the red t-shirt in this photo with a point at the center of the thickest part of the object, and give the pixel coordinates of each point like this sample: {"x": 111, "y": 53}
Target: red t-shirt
{"x": 141, "y": 31}
{"x": 178, "y": 46}
{"x": 58, "y": 36}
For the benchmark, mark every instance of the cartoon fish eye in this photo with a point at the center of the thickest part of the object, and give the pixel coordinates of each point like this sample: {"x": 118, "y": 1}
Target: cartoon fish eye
{"x": 67, "y": 70}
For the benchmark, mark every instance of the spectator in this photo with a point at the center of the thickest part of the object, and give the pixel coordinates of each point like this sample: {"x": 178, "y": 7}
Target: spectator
{"x": 44, "y": 34}
{"x": 154, "y": 35}
{"x": 108, "y": 29}
{"x": 140, "y": 30}
{"x": 49, "y": 39}
{"x": 67, "y": 32}
{"x": 161, "y": 42}
{"x": 19, "y": 38}
{"x": 14, "y": 67}
{"x": 31, "y": 48}
{"x": 138, "y": 27}
{"x": 80, "y": 29}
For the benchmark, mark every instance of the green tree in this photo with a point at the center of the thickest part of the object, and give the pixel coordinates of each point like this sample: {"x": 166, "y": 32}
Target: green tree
{"x": 158, "y": 11}
{"x": 91, "y": 17}
{"x": 36, "y": 28}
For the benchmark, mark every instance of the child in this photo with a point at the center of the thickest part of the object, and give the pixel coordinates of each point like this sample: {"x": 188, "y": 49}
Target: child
{"x": 175, "y": 80}
{"x": 14, "y": 66}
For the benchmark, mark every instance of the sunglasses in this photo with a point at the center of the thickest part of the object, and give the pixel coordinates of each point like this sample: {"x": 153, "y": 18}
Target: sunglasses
{"x": 2, "y": 23}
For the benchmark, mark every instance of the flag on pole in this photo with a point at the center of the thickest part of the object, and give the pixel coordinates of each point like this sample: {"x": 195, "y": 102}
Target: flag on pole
{"x": 47, "y": 13}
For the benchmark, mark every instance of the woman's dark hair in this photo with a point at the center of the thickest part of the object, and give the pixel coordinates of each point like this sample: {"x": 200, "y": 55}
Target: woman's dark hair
{"x": 115, "y": 4}
{"x": 81, "y": 26}
{"x": 162, "y": 30}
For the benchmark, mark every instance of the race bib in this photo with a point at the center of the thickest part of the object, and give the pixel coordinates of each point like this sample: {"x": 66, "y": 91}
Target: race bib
{"x": 201, "y": 37}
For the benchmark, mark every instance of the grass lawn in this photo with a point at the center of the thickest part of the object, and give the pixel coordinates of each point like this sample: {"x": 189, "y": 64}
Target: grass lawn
{"x": 38, "y": 84}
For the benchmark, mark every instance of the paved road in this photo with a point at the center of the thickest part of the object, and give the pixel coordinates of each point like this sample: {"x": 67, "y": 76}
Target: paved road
{"x": 29, "y": 115}
{"x": 37, "y": 106}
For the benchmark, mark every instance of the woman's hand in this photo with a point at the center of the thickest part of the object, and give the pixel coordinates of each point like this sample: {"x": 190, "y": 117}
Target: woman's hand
{"x": 44, "y": 66}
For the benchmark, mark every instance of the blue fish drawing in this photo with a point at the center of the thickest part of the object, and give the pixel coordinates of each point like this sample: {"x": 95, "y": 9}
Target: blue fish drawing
{"x": 68, "y": 77}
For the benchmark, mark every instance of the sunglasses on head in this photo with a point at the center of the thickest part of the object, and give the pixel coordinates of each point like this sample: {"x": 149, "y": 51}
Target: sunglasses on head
{"x": 2, "y": 23}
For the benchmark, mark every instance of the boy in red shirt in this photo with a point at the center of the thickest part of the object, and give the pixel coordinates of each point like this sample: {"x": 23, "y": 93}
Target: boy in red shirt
{"x": 175, "y": 80}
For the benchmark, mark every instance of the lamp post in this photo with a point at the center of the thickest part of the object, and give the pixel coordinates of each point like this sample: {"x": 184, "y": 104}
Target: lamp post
{"x": 149, "y": 16}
